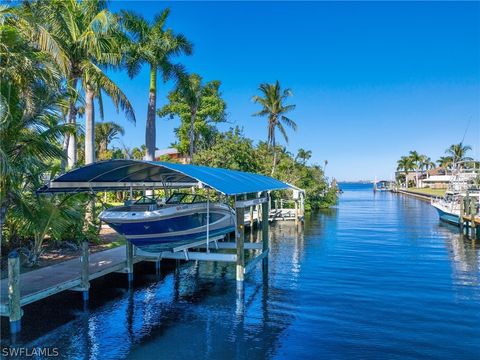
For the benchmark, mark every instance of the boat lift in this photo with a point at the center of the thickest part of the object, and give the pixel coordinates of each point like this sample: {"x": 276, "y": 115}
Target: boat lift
{"x": 246, "y": 190}
{"x": 249, "y": 191}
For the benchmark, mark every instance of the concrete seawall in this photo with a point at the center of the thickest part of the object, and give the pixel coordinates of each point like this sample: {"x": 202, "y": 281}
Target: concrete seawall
{"x": 424, "y": 197}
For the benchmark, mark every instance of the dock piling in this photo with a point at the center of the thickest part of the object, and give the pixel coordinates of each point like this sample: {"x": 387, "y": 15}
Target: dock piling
{"x": 129, "y": 248}
{"x": 462, "y": 211}
{"x": 473, "y": 210}
{"x": 15, "y": 310}
{"x": 265, "y": 211}
{"x": 240, "y": 239}
{"x": 85, "y": 284}
{"x": 296, "y": 213}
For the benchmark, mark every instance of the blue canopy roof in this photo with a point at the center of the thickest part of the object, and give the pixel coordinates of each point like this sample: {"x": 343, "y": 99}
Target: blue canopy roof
{"x": 123, "y": 174}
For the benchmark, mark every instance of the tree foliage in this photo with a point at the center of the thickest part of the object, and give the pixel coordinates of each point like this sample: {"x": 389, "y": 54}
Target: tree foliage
{"x": 232, "y": 150}
{"x": 197, "y": 103}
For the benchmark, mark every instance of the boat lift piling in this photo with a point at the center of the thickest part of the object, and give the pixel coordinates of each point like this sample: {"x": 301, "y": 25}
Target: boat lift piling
{"x": 14, "y": 292}
{"x": 85, "y": 283}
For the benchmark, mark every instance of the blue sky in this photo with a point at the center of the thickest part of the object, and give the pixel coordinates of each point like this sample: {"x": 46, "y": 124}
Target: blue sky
{"x": 371, "y": 81}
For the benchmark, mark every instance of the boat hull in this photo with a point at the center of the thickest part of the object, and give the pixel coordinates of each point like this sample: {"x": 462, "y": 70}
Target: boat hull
{"x": 163, "y": 229}
{"x": 448, "y": 217}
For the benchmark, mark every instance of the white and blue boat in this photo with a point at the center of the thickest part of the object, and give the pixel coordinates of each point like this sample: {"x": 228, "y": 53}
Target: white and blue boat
{"x": 460, "y": 185}
{"x": 154, "y": 225}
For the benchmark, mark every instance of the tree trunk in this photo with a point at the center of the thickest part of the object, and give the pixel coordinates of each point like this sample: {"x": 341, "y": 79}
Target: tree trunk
{"x": 274, "y": 156}
{"x": 150, "y": 131}
{"x": 71, "y": 142}
{"x": 66, "y": 141}
{"x": 89, "y": 126}
{"x": 192, "y": 133}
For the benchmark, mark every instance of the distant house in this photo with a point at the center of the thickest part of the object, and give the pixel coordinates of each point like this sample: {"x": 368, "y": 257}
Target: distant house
{"x": 436, "y": 181}
{"x": 171, "y": 154}
{"x": 434, "y": 178}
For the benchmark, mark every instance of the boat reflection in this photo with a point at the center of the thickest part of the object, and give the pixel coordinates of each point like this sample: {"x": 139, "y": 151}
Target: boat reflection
{"x": 464, "y": 254}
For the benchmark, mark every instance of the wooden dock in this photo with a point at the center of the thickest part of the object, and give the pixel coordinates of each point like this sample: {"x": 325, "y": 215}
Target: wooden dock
{"x": 39, "y": 284}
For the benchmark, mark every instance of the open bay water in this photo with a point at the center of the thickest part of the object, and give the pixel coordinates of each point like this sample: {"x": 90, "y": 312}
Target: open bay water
{"x": 376, "y": 277}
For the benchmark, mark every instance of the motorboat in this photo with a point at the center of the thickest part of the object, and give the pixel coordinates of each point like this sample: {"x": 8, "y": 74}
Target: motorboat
{"x": 156, "y": 225}
{"x": 382, "y": 185}
{"x": 461, "y": 186}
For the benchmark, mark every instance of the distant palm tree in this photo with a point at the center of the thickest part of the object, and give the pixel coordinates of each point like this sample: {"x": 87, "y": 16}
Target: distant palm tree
{"x": 405, "y": 164}
{"x": 106, "y": 132}
{"x": 154, "y": 45}
{"x": 303, "y": 155}
{"x": 417, "y": 161}
{"x": 274, "y": 108}
{"x": 445, "y": 162}
{"x": 458, "y": 152}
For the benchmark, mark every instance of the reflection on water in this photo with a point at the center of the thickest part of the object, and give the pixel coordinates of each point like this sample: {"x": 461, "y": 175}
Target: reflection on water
{"x": 375, "y": 277}
{"x": 464, "y": 253}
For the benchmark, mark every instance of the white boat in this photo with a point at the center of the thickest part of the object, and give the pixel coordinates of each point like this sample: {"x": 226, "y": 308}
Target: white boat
{"x": 154, "y": 225}
{"x": 461, "y": 185}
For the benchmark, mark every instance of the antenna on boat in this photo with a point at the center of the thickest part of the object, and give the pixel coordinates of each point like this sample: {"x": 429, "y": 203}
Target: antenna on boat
{"x": 466, "y": 129}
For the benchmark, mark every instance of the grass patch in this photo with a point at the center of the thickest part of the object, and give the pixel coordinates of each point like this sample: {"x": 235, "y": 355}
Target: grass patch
{"x": 428, "y": 191}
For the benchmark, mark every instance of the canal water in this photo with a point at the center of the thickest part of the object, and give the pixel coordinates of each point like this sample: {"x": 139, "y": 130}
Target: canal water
{"x": 375, "y": 277}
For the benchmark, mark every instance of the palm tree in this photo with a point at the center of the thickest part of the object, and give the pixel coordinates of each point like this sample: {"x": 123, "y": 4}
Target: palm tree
{"x": 303, "y": 155}
{"x": 274, "y": 107}
{"x": 94, "y": 86}
{"x": 154, "y": 45}
{"x": 106, "y": 132}
{"x": 405, "y": 164}
{"x": 417, "y": 160}
{"x": 195, "y": 103}
{"x": 458, "y": 152}
{"x": 445, "y": 162}
{"x": 79, "y": 35}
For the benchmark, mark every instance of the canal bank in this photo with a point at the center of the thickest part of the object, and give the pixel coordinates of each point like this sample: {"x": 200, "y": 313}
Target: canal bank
{"x": 377, "y": 276}
{"x": 417, "y": 195}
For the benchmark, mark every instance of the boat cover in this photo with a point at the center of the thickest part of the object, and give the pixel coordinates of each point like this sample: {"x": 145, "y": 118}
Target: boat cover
{"x": 123, "y": 174}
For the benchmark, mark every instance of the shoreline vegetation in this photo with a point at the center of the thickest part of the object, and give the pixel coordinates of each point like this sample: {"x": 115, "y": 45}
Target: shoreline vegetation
{"x": 52, "y": 74}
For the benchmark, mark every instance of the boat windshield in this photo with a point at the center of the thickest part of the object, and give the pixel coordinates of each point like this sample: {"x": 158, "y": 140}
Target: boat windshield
{"x": 179, "y": 198}
{"x": 146, "y": 200}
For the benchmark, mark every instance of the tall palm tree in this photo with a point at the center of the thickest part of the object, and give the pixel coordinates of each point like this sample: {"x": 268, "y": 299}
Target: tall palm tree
{"x": 154, "y": 45}
{"x": 458, "y": 153}
{"x": 106, "y": 132}
{"x": 95, "y": 84}
{"x": 79, "y": 35}
{"x": 274, "y": 108}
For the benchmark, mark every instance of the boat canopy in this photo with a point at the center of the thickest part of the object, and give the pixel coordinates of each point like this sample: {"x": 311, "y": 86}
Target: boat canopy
{"x": 137, "y": 174}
